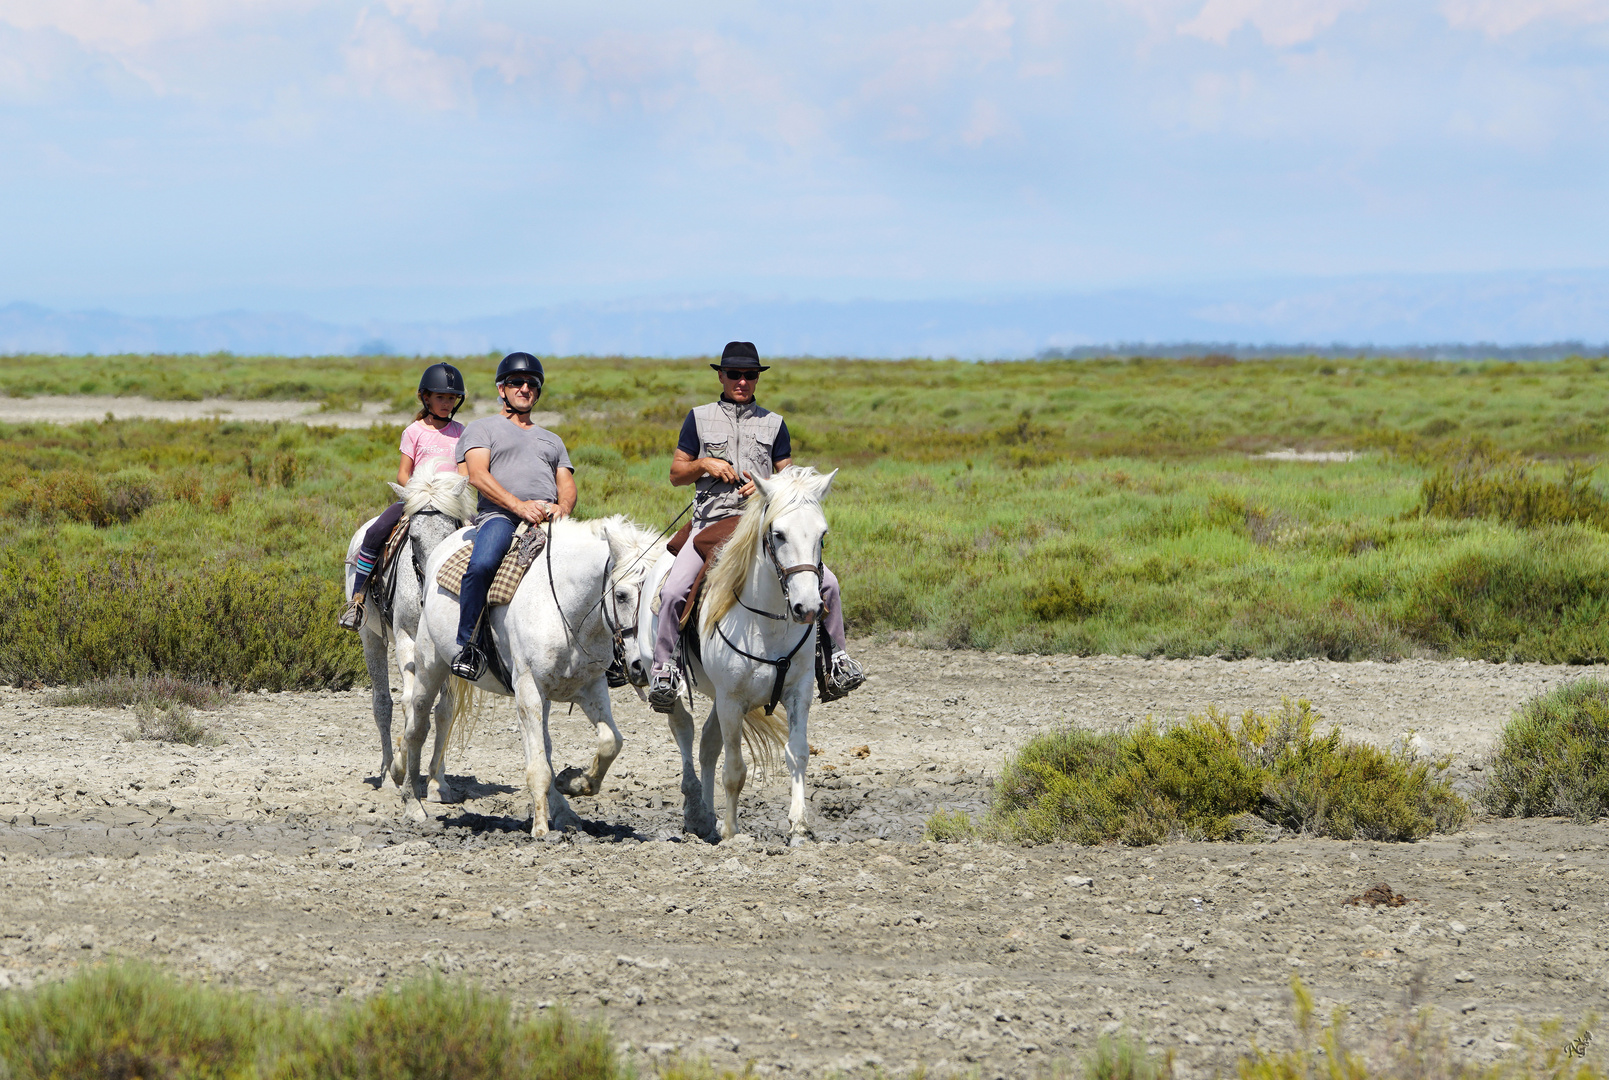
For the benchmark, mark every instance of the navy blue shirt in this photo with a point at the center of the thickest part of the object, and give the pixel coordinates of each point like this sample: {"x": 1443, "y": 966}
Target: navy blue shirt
{"x": 688, "y": 442}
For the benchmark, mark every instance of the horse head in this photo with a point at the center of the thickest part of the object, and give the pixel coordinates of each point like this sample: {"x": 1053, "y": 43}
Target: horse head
{"x": 793, "y": 528}
{"x": 632, "y": 550}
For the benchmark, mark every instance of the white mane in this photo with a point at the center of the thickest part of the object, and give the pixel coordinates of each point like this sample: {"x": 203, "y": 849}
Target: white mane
{"x": 446, "y": 491}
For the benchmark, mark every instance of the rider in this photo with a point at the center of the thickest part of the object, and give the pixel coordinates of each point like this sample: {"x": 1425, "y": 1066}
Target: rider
{"x": 523, "y": 473}
{"x": 723, "y": 447}
{"x": 427, "y": 447}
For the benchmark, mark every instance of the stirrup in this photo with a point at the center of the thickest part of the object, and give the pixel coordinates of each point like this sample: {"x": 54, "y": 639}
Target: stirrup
{"x": 664, "y": 687}
{"x": 615, "y": 675}
{"x": 352, "y": 617}
{"x": 843, "y": 675}
{"x": 470, "y": 663}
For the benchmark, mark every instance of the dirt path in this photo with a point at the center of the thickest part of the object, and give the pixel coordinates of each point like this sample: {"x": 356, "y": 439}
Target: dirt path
{"x": 270, "y": 862}
{"x": 63, "y": 409}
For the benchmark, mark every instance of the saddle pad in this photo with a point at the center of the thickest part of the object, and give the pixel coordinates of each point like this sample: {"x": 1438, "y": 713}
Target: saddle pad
{"x": 709, "y": 540}
{"x": 509, "y": 573}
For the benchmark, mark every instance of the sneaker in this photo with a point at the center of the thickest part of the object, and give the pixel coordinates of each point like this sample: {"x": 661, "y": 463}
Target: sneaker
{"x": 664, "y": 687}
{"x": 352, "y": 617}
{"x": 470, "y": 663}
{"x": 843, "y": 675}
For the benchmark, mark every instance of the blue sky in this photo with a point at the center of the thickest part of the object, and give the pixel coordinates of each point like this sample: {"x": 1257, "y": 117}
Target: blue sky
{"x": 430, "y": 159}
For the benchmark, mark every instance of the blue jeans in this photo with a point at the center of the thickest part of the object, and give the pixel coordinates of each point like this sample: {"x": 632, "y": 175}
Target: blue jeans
{"x": 492, "y": 539}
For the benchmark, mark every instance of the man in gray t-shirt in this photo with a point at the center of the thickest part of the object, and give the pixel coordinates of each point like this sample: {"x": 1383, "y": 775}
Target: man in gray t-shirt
{"x": 523, "y": 473}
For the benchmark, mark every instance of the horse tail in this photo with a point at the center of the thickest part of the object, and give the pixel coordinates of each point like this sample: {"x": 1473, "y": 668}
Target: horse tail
{"x": 764, "y": 736}
{"x": 468, "y": 704}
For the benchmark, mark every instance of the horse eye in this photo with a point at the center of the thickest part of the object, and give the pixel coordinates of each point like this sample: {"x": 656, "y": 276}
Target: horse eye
{"x": 779, "y": 538}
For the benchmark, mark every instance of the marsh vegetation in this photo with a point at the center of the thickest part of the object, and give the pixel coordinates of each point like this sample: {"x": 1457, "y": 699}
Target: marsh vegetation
{"x": 1060, "y": 506}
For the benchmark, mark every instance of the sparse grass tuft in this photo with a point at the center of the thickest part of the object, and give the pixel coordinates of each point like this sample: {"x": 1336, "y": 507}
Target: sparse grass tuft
{"x": 949, "y": 827}
{"x": 1124, "y": 1057}
{"x": 175, "y": 724}
{"x": 1552, "y": 757}
{"x": 1200, "y": 778}
{"x": 116, "y": 691}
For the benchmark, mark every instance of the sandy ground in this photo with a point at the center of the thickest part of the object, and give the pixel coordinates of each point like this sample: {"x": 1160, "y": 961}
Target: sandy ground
{"x": 75, "y": 409}
{"x": 273, "y": 862}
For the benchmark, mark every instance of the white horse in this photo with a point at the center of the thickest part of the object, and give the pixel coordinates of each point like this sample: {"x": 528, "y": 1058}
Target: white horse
{"x": 436, "y": 505}
{"x": 556, "y": 639}
{"x": 756, "y": 646}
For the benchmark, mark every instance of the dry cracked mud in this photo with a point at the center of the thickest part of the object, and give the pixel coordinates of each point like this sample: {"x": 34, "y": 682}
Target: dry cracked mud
{"x": 273, "y": 862}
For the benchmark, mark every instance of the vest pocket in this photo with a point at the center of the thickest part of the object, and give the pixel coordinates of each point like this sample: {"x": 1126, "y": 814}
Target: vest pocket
{"x": 717, "y": 449}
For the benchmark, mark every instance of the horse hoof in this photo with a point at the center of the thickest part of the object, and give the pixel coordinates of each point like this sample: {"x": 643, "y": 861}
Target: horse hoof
{"x": 415, "y": 812}
{"x": 799, "y": 841}
{"x": 441, "y": 793}
{"x": 573, "y": 781}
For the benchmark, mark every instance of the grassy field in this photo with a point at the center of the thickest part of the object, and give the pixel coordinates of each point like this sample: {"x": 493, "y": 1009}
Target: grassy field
{"x": 1087, "y": 506}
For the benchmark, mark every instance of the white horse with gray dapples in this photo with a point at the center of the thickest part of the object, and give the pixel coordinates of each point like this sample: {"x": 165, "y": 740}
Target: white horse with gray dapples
{"x": 757, "y": 639}
{"x": 556, "y": 638}
{"x": 435, "y": 506}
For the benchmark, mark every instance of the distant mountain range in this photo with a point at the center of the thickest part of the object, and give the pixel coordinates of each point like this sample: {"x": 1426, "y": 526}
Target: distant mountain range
{"x": 1531, "y": 314}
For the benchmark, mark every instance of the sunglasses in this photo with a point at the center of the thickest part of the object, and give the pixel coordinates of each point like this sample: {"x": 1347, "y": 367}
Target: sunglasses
{"x": 520, "y": 384}
{"x": 741, "y": 375}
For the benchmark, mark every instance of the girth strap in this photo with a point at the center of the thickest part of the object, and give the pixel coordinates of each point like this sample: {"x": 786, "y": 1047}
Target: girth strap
{"x": 781, "y": 665}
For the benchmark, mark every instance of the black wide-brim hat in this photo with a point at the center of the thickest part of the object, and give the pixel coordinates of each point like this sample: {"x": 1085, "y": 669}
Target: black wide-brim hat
{"x": 740, "y": 355}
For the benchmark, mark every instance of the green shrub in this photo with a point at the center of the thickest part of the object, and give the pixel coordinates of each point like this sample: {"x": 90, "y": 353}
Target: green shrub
{"x": 254, "y": 628}
{"x": 949, "y": 827}
{"x": 1124, "y": 1057}
{"x": 129, "y": 1020}
{"x": 1552, "y": 757}
{"x": 1065, "y": 598}
{"x": 427, "y": 1028}
{"x": 1510, "y": 491}
{"x": 1199, "y": 778}
{"x": 83, "y": 496}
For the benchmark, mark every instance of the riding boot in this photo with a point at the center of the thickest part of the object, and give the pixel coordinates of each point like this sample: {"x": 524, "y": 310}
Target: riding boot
{"x": 352, "y": 617}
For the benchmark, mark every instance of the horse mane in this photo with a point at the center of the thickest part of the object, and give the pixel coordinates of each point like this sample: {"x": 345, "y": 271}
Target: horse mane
{"x": 791, "y": 488}
{"x": 446, "y": 491}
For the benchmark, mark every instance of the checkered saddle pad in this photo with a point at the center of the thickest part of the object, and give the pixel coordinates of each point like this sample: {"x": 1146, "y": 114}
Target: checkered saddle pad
{"x": 528, "y": 544}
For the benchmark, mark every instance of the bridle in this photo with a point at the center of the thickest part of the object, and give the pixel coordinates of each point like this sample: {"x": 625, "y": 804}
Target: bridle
{"x": 782, "y": 664}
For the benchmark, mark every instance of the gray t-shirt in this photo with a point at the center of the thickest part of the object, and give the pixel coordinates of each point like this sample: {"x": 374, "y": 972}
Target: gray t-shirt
{"x": 524, "y": 460}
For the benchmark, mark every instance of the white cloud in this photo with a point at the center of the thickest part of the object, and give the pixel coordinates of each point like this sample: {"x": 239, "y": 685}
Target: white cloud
{"x": 1282, "y": 23}
{"x": 1499, "y": 18}
{"x": 380, "y": 59}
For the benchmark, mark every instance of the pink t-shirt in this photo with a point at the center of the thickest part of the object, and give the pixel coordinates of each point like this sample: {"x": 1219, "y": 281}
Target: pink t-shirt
{"x": 431, "y": 450}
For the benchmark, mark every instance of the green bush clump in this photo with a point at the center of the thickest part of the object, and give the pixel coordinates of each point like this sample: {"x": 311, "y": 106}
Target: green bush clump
{"x": 130, "y": 1020}
{"x": 1060, "y": 599}
{"x": 1202, "y": 778}
{"x": 175, "y": 724}
{"x": 257, "y": 627}
{"x": 1508, "y": 490}
{"x": 949, "y": 827}
{"x": 84, "y": 496}
{"x": 1552, "y": 757}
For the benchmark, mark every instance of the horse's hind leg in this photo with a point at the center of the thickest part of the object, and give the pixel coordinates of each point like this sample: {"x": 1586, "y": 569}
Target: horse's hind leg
{"x": 594, "y": 701}
{"x": 709, "y": 753}
{"x": 374, "y": 658}
{"x": 696, "y": 815}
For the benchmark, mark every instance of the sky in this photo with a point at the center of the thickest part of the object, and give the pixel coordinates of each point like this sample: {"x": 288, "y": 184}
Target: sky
{"x": 455, "y": 159}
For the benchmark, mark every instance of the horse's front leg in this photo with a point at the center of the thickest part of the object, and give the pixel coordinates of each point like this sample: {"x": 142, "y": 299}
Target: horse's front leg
{"x": 374, "y": 659}
{"x": 431, "y": 673}
{"x": 797, "y": 702}
{"x": 594, "y": 701}
{"x": 440, "y": 790}
{"x": 532, "y": 708}
{"x": 709, "y": 754}
{"x": 696, "y": 817}
{"x": 733, "y": 769}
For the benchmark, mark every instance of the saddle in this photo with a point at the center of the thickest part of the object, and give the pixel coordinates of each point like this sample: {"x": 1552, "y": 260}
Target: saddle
{"x": 528, "y": 544}
{"x": 384, "y": 598}
{"x": 709, "y": 541}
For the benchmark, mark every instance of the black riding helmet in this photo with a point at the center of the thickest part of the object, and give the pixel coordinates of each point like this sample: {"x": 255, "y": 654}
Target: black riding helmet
{"x": 522, "y": 363}
{"x": 442, "y": 379}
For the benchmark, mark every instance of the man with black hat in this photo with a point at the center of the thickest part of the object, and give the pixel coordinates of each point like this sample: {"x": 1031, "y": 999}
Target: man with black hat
{"x": 723, "y": 447}
{"x": 523, "y": 473}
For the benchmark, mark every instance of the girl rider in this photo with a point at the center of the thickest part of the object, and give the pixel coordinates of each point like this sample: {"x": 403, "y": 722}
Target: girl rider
{"x": 429, "y": 445}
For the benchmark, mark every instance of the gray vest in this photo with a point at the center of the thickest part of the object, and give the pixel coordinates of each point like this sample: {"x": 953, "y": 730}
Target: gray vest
{"x": 742, "y": 436}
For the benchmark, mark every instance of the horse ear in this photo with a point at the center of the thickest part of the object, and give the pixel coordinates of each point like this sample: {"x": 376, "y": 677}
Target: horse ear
{"x": 398, "y": 488}
{"x": 764, "y": 486}
{"x": 824, "y": 485}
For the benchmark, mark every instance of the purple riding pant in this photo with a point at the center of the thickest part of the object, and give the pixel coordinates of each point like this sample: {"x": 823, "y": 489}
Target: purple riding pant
{"x": 679, "y": 582}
